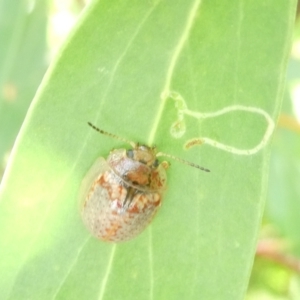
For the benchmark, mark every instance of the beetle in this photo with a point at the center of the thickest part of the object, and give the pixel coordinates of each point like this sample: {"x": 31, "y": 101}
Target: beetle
{"x": 122, "y": 194}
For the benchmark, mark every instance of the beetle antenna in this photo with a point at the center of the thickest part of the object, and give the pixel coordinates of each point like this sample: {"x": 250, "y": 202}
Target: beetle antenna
{"x": 134, "y": 145}
{"x": 182, "y": 161}
{"x": 112, "y": 135}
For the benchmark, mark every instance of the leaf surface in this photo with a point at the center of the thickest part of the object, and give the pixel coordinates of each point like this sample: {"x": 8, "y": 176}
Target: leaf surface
{"x": 173, "y": 74}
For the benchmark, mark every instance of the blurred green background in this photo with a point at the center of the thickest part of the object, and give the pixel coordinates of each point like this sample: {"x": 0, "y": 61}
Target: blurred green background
{"x": 40, "y": 27}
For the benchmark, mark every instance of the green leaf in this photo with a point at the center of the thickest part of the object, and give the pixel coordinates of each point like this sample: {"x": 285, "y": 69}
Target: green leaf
{"x": 22, "y": 61}
{"x": 158, "y": 72}
{"x": 283, "y": 205}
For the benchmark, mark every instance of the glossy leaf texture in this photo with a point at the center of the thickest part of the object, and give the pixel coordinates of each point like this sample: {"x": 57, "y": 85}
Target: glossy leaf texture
{"x": 202, "y": 80}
